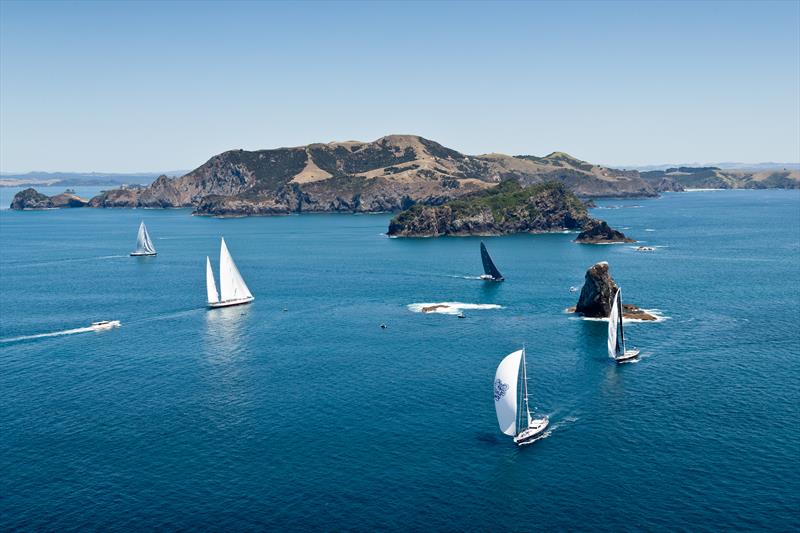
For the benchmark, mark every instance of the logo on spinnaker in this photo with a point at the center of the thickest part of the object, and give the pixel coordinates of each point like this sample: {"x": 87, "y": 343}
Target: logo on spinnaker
{"x": 500, "y": 389}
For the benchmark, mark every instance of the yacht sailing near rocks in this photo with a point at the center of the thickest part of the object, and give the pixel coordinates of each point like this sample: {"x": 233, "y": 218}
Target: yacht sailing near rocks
{"x": 233, "y": 289}
{"x": 490, "y": 272}
{"x": 144, "y": 246}
{"x": 616, "y": 341}
{"x": 513, "y": 410}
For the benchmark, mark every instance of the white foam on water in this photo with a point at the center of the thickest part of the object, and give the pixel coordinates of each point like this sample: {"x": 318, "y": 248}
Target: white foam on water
{"x": 450, "y": 308}
{"x": 654, "y": 312}
{"x": 649, "y": 229}
{"x": 74, "y": 331}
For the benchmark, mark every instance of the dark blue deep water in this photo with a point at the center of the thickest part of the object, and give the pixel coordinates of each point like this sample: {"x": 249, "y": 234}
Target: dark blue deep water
{"x": 314, "y": 417}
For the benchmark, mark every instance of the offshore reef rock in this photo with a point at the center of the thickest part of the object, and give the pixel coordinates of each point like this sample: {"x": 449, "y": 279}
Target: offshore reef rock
{"x": 32, "y": 199}
{"x": 597, "y": 296}
{"x": 599, "y": 232}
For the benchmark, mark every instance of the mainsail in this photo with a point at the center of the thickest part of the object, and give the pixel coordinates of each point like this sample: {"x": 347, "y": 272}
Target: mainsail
{"x": 488, "y": 266}
{"x": 211, "y": 287}
{"x": 615, "y": 343}
{"x": 144, "y": 246}
{"x": 505, "y": 392}
{"x": 231, "y": 284}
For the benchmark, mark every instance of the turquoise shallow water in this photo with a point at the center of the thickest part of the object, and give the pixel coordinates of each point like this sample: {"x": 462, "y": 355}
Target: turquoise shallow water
{"x": 314, "y": 417}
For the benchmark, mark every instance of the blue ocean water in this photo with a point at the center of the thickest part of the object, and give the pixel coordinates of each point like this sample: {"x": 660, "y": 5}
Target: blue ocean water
{"x": 314, "y": 417}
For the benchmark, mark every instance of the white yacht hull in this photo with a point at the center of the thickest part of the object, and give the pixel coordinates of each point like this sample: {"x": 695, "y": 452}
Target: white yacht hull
{"x": 535, "y": 428}
{"x": 627, "y": 356}
{"x": 229, "y": 303}
{"x": 486, "y": 277}
{"x": 142, "y": 254}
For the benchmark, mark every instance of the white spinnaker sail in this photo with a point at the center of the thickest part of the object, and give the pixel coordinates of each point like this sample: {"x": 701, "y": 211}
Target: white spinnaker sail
{"x": 211, "y": 287}
{"x": 505, "y": 392}
{"x": 143, "y": 243}
{"x": 231, "y": 284}
{"x": 613, "y": 324}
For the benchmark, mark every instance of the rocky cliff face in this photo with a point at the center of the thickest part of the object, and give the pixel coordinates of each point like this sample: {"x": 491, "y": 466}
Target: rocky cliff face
{"x": 597, "y": 293}
{"x": 388, "y": 174}
{"x": 505, "y": 209}
{"x": 597, "y": 296}
{"x": 32, "y": 199}
{"x": 599, "y": 232}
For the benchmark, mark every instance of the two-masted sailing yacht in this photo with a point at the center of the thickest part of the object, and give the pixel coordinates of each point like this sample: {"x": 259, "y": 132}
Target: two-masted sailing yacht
{"x": 232, "y": 288}
{"x": 144, "y": 246}
{"x": 513, "y": 410}
{"x": 490, "y": 272}
{"x": 616, "y": 334}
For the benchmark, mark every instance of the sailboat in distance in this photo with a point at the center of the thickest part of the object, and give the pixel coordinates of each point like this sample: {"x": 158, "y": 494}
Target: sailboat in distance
{"x": 616, "y": 333}
{"x": 232, "y": 288}
{"x": 490, "y": 272}
{"x": 513, "y": 411}
{"x": 144, "y": 246}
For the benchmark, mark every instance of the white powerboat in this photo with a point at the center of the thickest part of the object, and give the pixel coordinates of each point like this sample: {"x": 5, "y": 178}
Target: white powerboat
{"x": 103, "y": 325}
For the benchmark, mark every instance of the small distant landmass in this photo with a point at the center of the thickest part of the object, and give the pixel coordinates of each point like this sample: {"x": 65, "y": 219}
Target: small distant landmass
{"x": 389, "y": 174}
{"x": 80, "y": 179}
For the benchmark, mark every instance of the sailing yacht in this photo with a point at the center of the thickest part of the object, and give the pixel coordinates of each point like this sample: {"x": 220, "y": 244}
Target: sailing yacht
{"x": 144, "y": 246}
{"x": 513, "y": 411}
{"x": 490, "y": 272}
{"x": 233, "y": 289}
{"x": 616, "y": 342}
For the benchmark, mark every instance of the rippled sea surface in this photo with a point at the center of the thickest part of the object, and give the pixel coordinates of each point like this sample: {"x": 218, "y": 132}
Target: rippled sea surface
{"x": 299, "y": 411}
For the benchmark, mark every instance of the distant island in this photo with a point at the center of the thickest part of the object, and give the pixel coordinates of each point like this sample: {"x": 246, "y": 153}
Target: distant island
{"x": 393, "y": 173}
{"x": 506, "y": 209}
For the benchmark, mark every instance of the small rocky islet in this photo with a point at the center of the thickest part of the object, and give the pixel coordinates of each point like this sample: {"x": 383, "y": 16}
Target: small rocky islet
{"x": 597, "y": 296}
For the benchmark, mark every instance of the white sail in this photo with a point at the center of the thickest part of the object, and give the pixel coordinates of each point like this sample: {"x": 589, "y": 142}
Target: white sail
{"x": 231, "y": 284}
{"x": 144, "y": 246}
{"x": 211, "y": 287}
{"x": 505, "y": 392}
{"x": 613, "y": 324}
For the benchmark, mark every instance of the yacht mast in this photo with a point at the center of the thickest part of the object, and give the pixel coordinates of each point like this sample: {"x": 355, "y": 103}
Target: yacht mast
{"x": 619, "y": 310}
{"x": 525, "y": 380}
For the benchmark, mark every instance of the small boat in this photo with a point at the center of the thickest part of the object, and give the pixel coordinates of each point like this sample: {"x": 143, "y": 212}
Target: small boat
{"x": 645, "y": 249}
{"x": 490, "y": 272}
{"x": 573, "y": 289}
{"x": 233, "y": 289}
{"x": 105, "y": 324}
{"x": 513, "y": 411}
{"x": 461, "y": 315}
{"x": 384, "y": 326}
{"x": 144, "y": 246}
{"x": 616, "y": 333}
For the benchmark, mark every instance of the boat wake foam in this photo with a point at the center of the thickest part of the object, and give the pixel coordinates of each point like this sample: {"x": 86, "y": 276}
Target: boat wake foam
{"x": 74, "y": 331}
{"x": 654, "y": 312}
{"x": 449, "y": 308}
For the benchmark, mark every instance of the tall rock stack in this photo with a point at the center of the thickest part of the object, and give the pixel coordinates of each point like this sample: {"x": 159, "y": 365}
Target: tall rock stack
{"x": 597, "y": 293}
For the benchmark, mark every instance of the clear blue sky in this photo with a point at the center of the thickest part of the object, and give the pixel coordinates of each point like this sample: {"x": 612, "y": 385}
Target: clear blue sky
{"x": 160, "y": 86}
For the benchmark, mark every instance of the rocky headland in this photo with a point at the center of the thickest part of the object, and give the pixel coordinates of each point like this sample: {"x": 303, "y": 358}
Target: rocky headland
{"x": 30, "y": 199}
{"x": 506, "y": 209}
{"x": 389, "y": 174}
{"x": 597, "y": 296}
